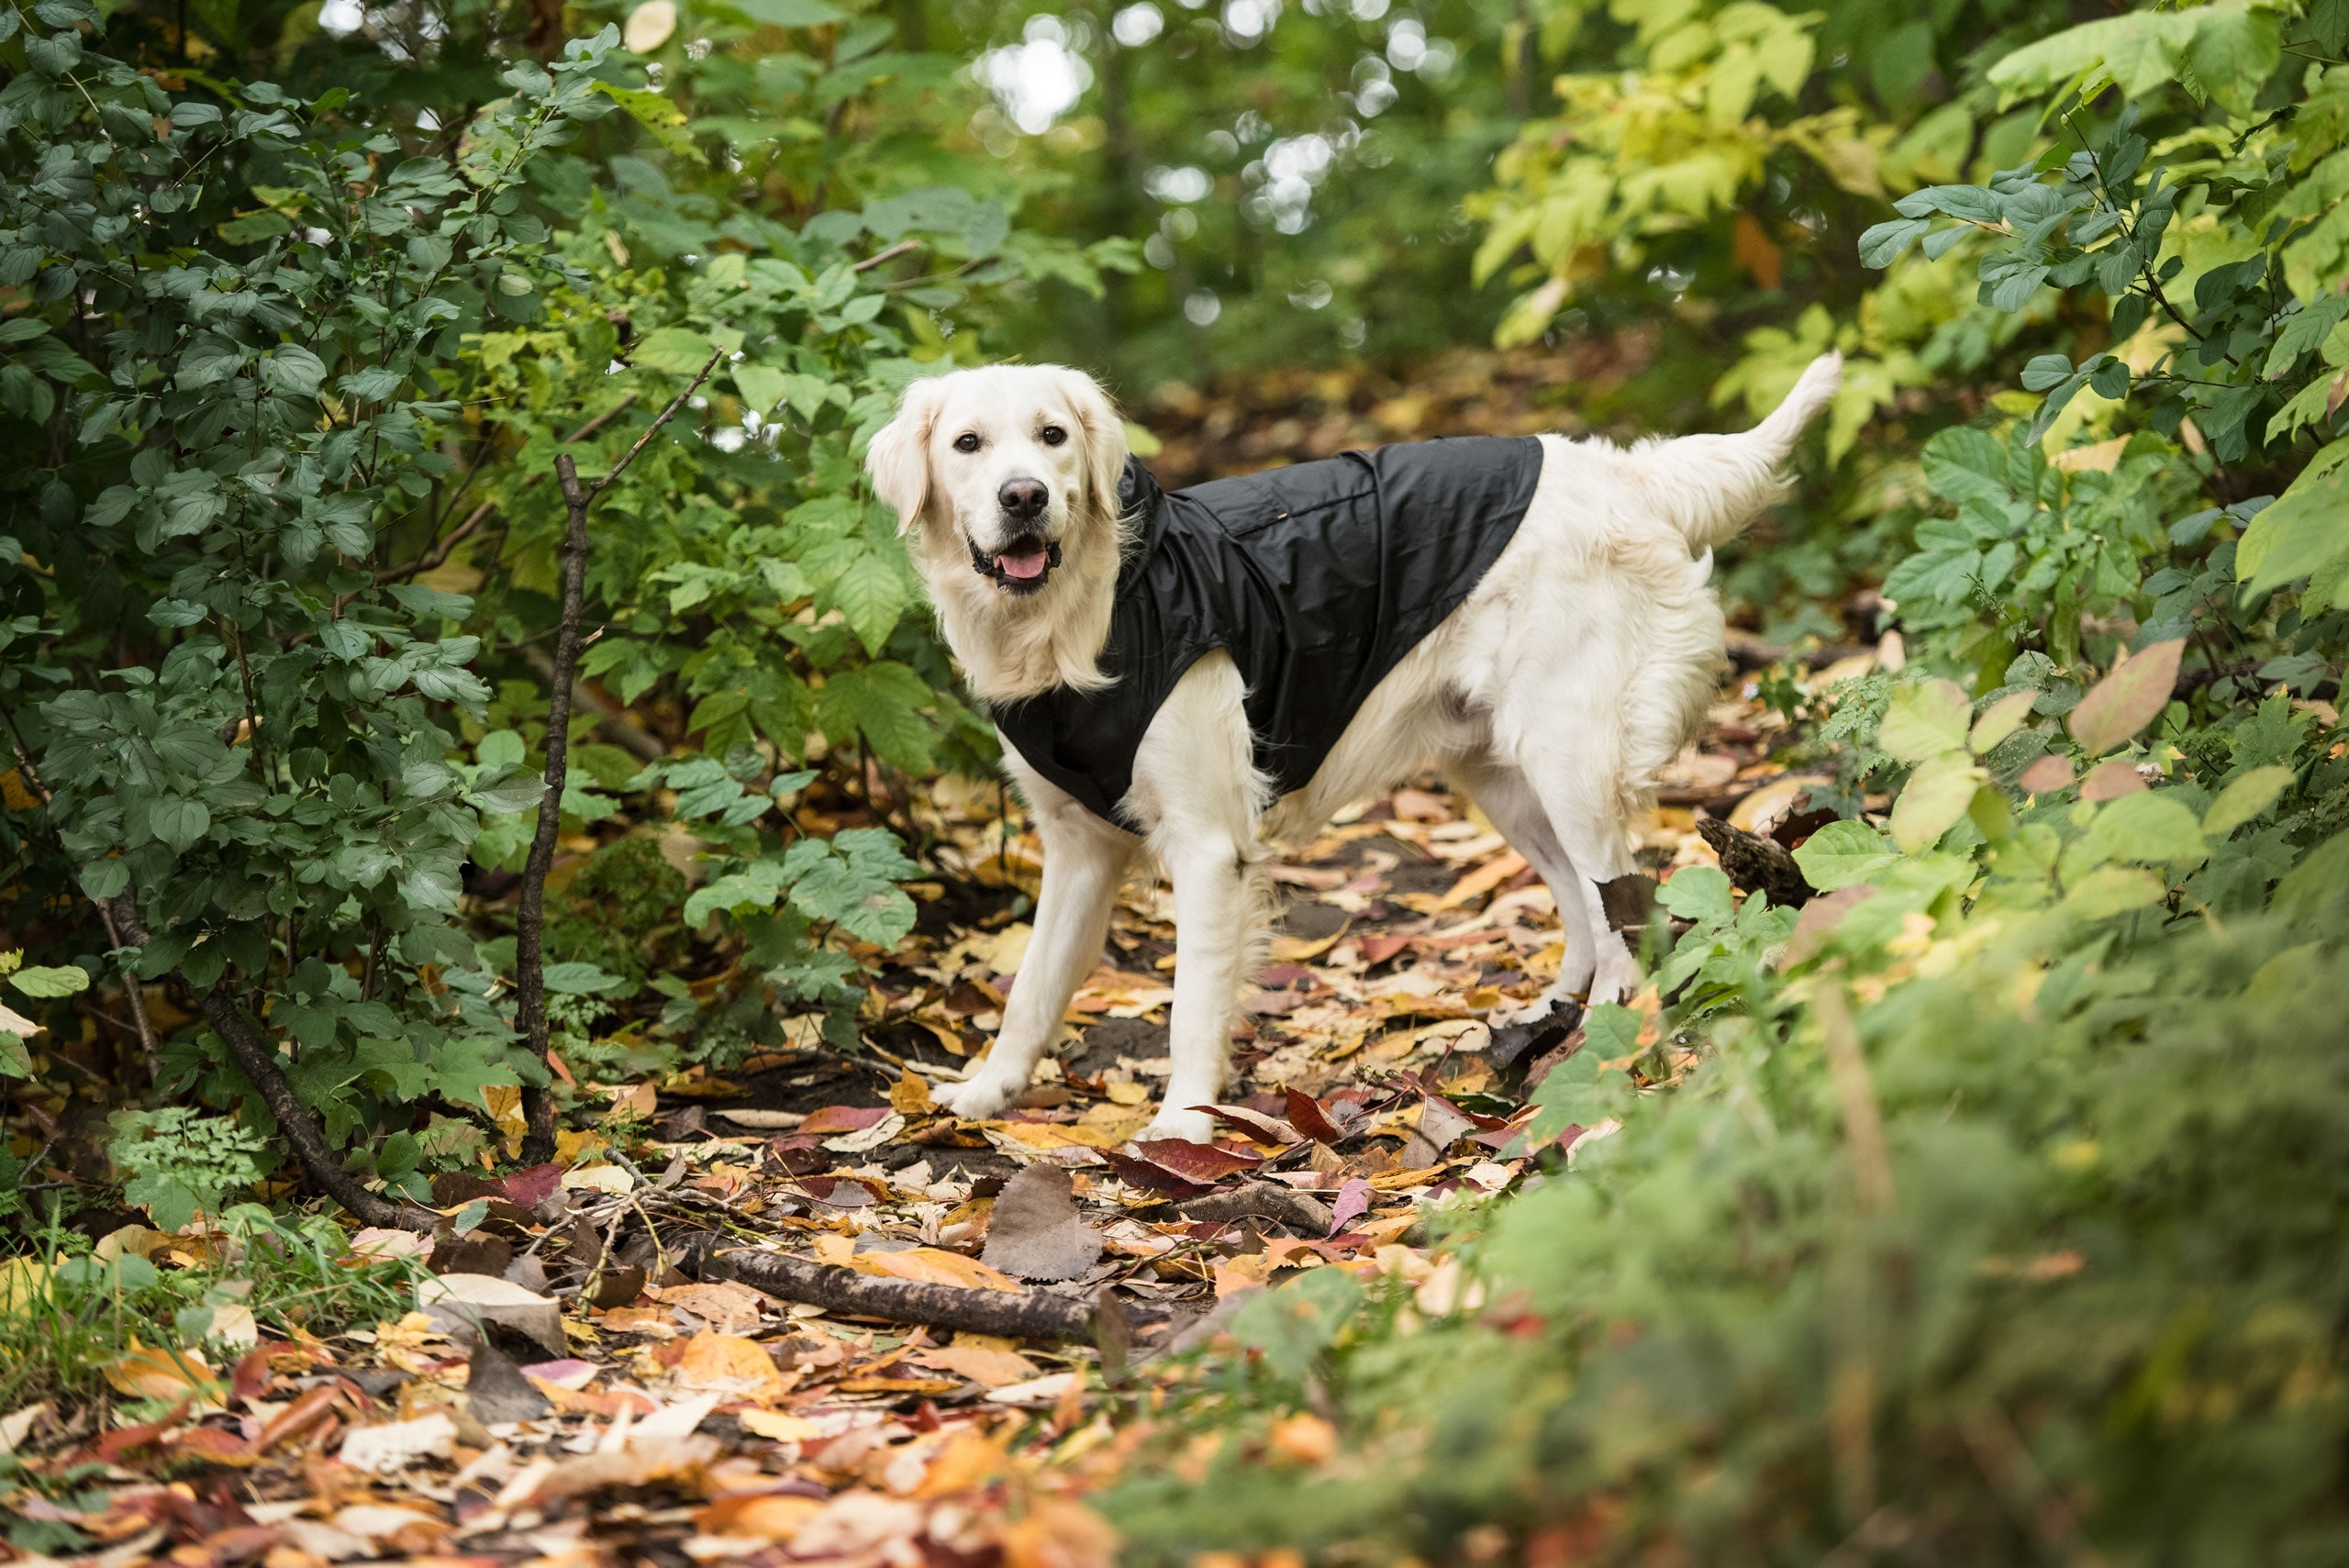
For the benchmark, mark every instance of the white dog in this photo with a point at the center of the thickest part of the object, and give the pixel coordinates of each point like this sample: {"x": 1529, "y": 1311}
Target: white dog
{"x": 1574, "y": 658}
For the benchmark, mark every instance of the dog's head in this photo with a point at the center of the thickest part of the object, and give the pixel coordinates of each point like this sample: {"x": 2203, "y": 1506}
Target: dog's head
{"x": 1013, "y": 469}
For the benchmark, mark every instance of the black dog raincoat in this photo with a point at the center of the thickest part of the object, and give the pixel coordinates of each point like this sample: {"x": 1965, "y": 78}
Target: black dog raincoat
{"x": 1316, "y": 579}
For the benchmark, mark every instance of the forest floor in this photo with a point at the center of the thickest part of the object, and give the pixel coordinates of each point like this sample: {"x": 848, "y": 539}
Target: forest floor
{"x": 568, "y": 1394}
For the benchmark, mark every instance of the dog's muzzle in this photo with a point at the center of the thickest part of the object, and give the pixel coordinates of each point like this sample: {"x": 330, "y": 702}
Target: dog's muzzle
{"x": 1022, "y": 567}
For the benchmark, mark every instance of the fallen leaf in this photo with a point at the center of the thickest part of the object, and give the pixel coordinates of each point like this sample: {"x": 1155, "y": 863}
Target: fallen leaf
{"x": 1058, "y": 1532}
{"x": 1353, "y": 1201}
{"x": 723, "y": 1304}
{"x": 599, "y": 1178}
{"x": 1151, "y": 1178}
{"x": 1264, "y": 1128}
{"x": 990, "y": 1368}
{"x": 728, "y": 1362}
{"x": 395, "y": 1445}
{"x": 146, "y": 1374}
{"x": 1196, "y": 1162}
{"x": 778, "y": 1426}
{"x": 932, "y": 1266}
{"x": 463, "y": 1303}
{"x": 1036, "y": 1233}
{"x": 1483, "y": 880}
{"x": 1306, "y": 1114}
{"x": 1045, "y": 1390}
{"x": 910, "y": 1095}
{"x": 495, "y": 1390}
{"x": 832, "y": 1120}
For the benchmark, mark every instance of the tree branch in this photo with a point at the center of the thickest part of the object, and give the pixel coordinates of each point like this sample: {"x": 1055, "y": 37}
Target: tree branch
{"x": 529, "y": 917}
{"x": 1025, "y": 1314}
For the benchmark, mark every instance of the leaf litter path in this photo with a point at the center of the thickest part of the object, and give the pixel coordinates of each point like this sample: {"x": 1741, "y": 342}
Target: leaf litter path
{"x": 582, "y": 1383}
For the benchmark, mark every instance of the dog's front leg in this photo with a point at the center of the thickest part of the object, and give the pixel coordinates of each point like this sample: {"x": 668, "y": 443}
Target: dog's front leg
{"x": 1216, "y": 902}
{"x": 1085, "y": 862}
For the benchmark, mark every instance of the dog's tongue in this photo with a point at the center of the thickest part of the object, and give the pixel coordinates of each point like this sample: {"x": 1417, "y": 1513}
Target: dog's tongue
{"x": 1025, "y": 564}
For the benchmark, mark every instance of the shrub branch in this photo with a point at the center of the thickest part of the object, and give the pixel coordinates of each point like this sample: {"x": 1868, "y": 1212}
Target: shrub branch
{"x": 531, "y": 918}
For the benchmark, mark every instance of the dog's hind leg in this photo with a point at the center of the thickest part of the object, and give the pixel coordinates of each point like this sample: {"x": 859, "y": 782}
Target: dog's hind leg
{"x": 1086, "y": 860}
{"x": 1571, "y": 761}
{"x": 1509, "y": 802}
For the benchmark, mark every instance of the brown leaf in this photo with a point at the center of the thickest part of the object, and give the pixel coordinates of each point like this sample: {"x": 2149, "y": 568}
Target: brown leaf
{"x": 1264, "y": 1128}
{"x": 466, "y": 1301}
{"x": 1196, "y": 1162}
{"x": 2047, "y": 775}
{"x": 2127, "y": 700}
{"x": 1036, "y": 1233}
{"x": 1151, "y": 1178}
{"x": 2111, "y": 781}
{"x": 990, "y": 1368}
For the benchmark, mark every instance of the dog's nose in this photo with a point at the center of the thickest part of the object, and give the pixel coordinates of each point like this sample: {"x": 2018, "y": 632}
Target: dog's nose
{"x": 1023, "y": 499}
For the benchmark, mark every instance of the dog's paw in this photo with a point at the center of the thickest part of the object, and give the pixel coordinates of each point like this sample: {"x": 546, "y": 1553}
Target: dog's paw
{"x": 1618, "y": 980}
{"x": 975, "y": 1099}
{"x": 1191, "y": 1127}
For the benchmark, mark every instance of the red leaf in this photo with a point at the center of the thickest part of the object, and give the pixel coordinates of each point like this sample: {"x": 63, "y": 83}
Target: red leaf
{"x": 528, "y": 1189}
{"x": 1197, "y": 1162}
{"x": 1151, "y": 1178}
{"x": 1306, "y": 1114}
{"x": 1255, "y": 1124}
{"x": 122, "y": 1440}
{"x": 1378, "y": 950}
{"x": 833, "y": 1121}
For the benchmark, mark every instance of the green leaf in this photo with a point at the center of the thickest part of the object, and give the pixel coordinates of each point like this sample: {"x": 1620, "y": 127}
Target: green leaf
{"x": 674, "y": 349}
{"x": 1292, "y": 1326}
{"x": 2245, "y": 798}
{"x": 2000, "y": 720}
{"x": 2127, "y": 700}
{"x": 2151, "y": 827}
{"x": 64, "y": 980}
{"x": 663, "y": 119}
{"x": 578, "y": 979}
{"x": 1936, "y": 796}
{"x": 2307, "y": 526}
{"x": 1925, "y": 720}
{"x": 1845, "y": 854}
{"x": 179, "y": 822}
{"x": 782, "y": 12}
{"x": 762, "y": 386}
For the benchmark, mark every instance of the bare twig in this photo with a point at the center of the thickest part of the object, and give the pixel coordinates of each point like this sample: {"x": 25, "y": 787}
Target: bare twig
{"x": 483, "y": 512}
{"x": 890, "y": 254}
{"x": 529, "y": 918}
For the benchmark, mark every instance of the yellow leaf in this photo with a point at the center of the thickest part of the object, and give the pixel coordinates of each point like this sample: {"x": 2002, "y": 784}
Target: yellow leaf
{"x": 932, "y": 1265}
{"x": 24, "y": 1285}
{"x": 145, "y": 1373}
{"x": 910, "y": 1095}
{"x": 778, "y": 1426}
{"x": 731, "y": 1361}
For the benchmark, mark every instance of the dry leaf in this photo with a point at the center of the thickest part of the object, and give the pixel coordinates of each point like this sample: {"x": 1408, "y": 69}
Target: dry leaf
{"x": 728, "y": 1362}
{"x": 930, "y": 1265}
{"x": 1035, "y": 1232}
{"x": 990, "y": 1368}
{"x": 146, "y": 1374}
{"x": 461, "y": 1303}
{"x": 910, "y": 1095}
{"x": 395, "y": 1445}
{"x": 1046, "y": 1390}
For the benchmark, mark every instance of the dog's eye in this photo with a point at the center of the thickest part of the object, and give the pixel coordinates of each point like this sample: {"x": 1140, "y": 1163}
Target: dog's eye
{"x": 1053, "y": 435}
{"x": 968, "y": 441}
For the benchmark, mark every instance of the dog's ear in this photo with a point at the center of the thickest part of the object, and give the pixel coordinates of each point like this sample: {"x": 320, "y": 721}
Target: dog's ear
{"x": 899, "y": 458}
{"x": 1104, "y": 440}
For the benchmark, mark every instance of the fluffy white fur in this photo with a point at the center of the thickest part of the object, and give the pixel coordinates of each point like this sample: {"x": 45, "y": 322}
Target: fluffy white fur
{"x": 1579, "y": 667}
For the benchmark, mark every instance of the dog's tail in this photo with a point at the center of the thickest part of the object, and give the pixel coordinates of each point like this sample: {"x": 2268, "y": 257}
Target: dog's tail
{"x": 1712, "y": 486}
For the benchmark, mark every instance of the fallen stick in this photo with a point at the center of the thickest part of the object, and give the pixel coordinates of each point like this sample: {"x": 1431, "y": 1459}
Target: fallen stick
{"x": 1301, "y": 1213}
{"x": 1024, "y": 1315}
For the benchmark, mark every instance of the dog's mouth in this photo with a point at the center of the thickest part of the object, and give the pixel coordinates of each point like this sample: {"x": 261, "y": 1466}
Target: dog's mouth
{"x": 1020, "y": 567}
